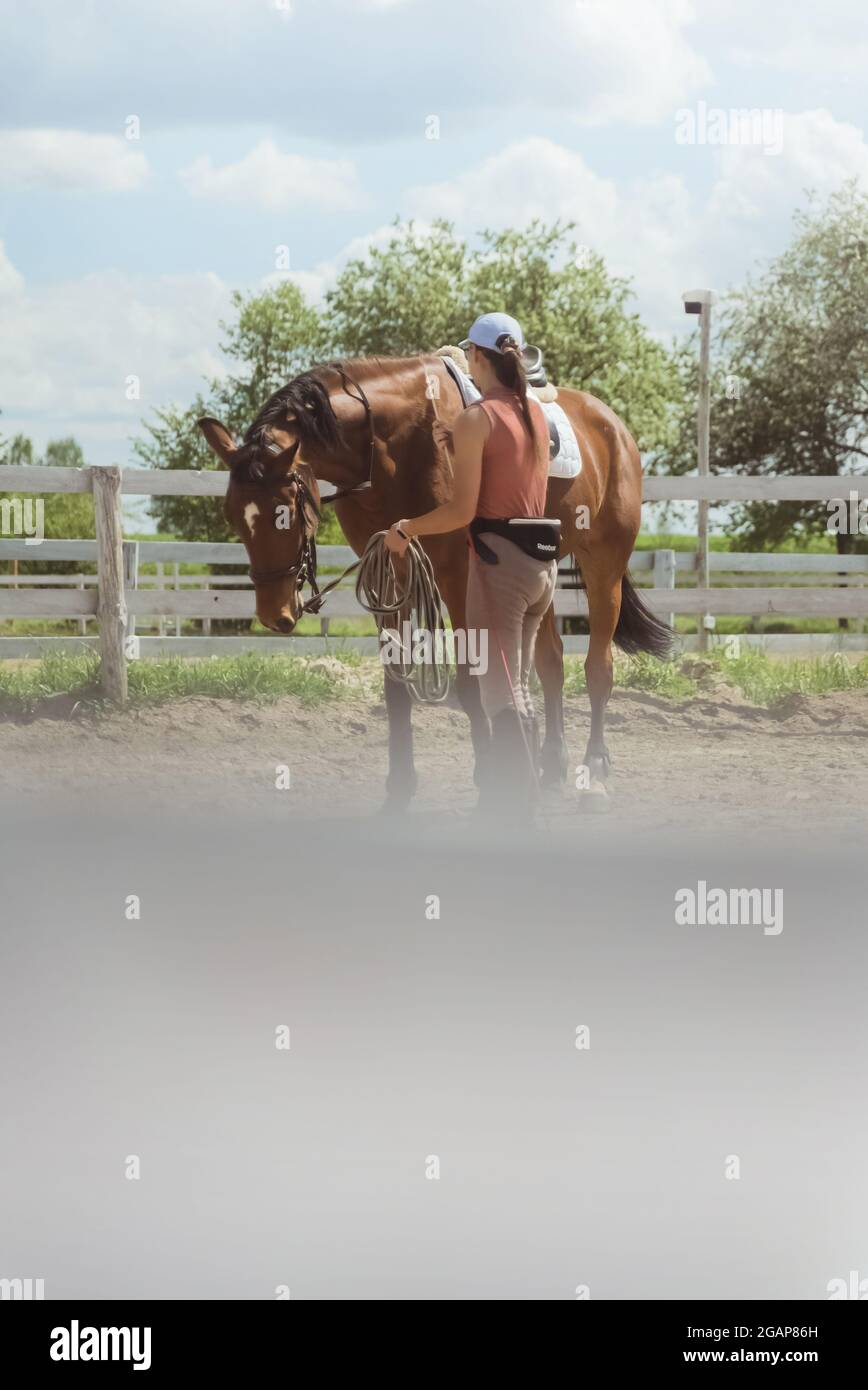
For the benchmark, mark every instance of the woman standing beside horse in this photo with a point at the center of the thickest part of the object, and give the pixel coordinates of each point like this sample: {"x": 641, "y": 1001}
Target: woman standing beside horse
{"x": 500, "y": 450}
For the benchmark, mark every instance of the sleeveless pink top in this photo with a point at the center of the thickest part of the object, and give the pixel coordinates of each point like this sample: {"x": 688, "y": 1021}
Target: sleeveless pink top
{"x": 514, "y": 467}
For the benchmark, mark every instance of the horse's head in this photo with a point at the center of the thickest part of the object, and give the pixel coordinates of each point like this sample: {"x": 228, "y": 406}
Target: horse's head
{"x": 272, "y": 505}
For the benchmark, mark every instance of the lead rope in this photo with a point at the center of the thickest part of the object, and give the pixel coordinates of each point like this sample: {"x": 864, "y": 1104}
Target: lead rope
{"x": 379, "y": 591}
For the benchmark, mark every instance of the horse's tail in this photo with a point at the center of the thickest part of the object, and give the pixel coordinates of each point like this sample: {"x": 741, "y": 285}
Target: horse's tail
{"x": 640, "y": 630}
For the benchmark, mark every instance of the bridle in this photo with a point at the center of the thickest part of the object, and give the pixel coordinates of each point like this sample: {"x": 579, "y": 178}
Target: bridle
{"x": 304, "y": 569}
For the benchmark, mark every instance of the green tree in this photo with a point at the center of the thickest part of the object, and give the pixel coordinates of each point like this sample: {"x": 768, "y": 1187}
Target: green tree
{"x": 790, "y": 370}
{"x": 401, "y": 298}
{"x": 275, "y": 335}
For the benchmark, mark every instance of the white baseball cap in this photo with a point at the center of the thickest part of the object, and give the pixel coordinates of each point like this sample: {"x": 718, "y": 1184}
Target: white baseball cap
{"x": 488, "y": 330}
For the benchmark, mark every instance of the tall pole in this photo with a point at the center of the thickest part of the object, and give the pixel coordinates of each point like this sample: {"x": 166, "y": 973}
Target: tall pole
{"x": 700, "y": 302}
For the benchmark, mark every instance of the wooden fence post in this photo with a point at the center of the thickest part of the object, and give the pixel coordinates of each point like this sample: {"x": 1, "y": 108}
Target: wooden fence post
{"x": 111, "y": 601}
{"x": 664, "y": 575}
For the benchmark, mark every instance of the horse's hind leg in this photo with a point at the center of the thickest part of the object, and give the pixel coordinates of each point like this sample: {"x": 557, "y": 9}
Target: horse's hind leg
{"x": 549, "y": 661}
{"x": 602, "y": 574}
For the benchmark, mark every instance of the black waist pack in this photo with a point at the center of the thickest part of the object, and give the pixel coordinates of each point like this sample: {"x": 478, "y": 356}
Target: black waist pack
{"x": 537, "y": 536}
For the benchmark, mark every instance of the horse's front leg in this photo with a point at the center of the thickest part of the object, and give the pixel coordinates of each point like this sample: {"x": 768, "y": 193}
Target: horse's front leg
{"x": 401, "y": 780}
{"x": 549, "y": 662}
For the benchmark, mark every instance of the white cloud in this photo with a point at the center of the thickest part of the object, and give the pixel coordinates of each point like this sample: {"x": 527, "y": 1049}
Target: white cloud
{"x": 654, "y": 229}
{"x": 633, "y": 59}
{"x": 351, "y": 70}
{"x": 11, "y": 283}
{"x": 67, "y": 351}
{"x": 818, "y": 41}
{"x": 269, "y": 178}
{"x": 526, "y": 180}
{"x": 817, "y": 152}
{"x": 69, "y": 159}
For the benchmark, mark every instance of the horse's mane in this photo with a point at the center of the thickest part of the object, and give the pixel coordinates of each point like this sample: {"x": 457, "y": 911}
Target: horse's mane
{"x": 306, "y": 400}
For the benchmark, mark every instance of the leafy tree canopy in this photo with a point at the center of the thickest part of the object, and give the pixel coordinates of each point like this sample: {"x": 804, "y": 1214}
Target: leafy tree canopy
{"x": 790, "y": 369}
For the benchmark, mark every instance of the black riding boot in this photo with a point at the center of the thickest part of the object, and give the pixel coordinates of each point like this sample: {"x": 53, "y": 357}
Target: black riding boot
{"x": 508, "y": 790}
{"x": 531, "y": 730}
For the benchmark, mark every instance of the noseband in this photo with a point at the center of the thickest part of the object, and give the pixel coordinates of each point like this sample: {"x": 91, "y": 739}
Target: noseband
{"x": 304, "y": 569}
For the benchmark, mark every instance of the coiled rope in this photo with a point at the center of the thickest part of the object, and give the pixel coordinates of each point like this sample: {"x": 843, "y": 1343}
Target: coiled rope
{"x": 417, "y": 603}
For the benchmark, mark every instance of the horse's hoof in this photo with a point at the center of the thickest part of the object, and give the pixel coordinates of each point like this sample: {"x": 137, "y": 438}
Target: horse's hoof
{"x": 595, "y": 800}
{"x": 599, "y": 767}
{"x": 395, "y": 805}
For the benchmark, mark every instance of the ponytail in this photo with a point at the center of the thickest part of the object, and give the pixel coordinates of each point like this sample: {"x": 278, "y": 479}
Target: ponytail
{"x": 509, "y": 369}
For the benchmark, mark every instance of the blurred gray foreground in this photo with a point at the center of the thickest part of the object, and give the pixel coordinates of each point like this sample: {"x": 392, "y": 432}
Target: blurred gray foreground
{"x": 413, "y": 1037}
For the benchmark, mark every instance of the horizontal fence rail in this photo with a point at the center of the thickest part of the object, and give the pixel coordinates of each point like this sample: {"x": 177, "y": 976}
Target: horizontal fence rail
{"x": 136, "y": 593}
{"x": 231, "y": 596}
{"x": 168, "y": 482}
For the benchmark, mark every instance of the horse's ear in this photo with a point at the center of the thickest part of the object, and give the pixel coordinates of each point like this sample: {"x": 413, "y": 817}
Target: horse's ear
{"x": 218, "y": 439}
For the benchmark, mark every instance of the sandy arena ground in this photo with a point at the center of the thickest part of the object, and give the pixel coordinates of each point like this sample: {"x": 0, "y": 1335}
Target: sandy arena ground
{"x": 713, "y": 759}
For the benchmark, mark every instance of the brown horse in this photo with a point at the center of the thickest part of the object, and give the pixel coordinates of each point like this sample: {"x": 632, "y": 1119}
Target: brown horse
{"x": 366, "y": 427}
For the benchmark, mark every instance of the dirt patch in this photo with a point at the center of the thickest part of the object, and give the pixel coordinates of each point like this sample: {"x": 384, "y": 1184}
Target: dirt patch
{"x": 712, "y": 759}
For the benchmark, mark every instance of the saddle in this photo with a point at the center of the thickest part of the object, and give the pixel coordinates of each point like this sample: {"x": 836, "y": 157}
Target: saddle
{"x": 533, "y": 365}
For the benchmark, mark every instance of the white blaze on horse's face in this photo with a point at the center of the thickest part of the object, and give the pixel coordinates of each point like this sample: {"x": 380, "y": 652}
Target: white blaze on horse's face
{"x": 251, "y": 512}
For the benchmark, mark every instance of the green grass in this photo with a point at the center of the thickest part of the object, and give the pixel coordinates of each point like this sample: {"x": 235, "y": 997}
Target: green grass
{"x": 764, "y": 682}
{"x": 22, "y": 687}
{"x": 683, "y": 540}
{"x": 265, "y": 679}
{"x": 642, "y": 672}
{"x": 244, "y": 677}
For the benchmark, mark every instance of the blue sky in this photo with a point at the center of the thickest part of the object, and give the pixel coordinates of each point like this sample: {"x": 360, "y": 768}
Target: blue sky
{"x": 306, "y": 124}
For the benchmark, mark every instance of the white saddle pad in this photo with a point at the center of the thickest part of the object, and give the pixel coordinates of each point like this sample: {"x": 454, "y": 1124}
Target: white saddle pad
{"x": 567, "y": 462}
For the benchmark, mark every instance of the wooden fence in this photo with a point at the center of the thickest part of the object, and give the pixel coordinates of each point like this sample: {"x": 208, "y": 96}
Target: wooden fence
{"x": 119, "y": 593}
